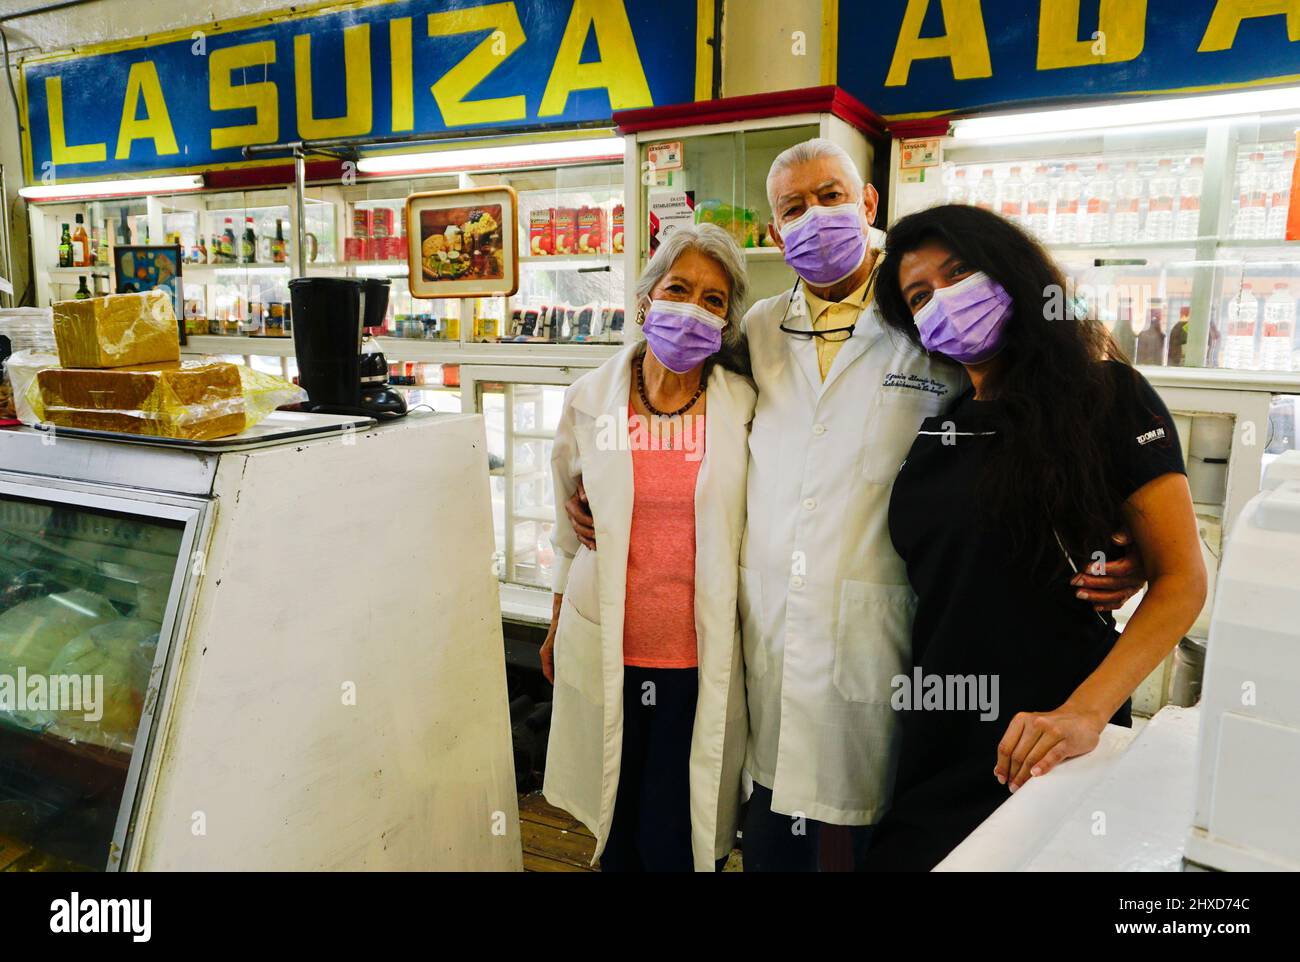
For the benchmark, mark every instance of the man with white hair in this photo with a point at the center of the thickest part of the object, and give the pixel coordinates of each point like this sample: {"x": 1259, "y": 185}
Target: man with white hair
{"x": 825, "y": 605}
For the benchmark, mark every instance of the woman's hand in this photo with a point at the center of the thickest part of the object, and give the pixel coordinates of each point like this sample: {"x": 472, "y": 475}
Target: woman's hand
{"x": 1036, "y": 742}
{"x": 579, "y": 511}
{"x": 548, "y": 655}
{"x": 1110, "y": 584}
{"x": 547, "y": 652}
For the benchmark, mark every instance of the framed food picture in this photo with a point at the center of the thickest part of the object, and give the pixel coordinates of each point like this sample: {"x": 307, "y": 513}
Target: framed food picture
{"x": 145, "y": 268}
{"x": 463, "y": 243}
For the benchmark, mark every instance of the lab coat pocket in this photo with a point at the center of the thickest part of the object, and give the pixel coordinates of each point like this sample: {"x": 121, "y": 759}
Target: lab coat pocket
{"x": 583, "y": 589}
{"x": 890, "y": 430}
{"x": 578, "y": 653}
{"x": 750, "y": 600}
{"x": 872, "y": 639}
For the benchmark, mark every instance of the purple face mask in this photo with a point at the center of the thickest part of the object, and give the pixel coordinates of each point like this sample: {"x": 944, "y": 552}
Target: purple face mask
{"x": 682, "y": 335}
{"x": 824, "y": 245}
{"x": 965, "y": 320}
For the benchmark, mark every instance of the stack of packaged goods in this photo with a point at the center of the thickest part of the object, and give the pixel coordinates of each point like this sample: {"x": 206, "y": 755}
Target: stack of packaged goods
{"x": 376, "y": 235}
{"x": 587, "y": 230}
{"x": 23, "y": 330}
{"x": 119, "y": 370}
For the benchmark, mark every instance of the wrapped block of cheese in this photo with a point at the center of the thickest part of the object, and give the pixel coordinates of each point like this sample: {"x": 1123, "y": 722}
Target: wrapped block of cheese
{"x": 197, "y": 400}
{"x": 117, "y": 331}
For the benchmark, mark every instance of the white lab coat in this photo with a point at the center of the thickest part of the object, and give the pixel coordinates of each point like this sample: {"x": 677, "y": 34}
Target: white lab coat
{"x": 584, "y": 752}
{"x": 826, "y": 609}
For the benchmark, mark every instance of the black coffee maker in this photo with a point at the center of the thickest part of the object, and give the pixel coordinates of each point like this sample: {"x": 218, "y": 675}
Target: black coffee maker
{"x": 338, "y": 372}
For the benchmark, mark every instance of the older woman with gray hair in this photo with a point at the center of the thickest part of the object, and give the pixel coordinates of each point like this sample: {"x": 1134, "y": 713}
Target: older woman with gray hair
{"x": 648, "y": 727}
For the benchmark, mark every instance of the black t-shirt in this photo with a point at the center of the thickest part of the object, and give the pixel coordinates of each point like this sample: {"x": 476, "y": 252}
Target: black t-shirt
{"x": 983, "y": 611}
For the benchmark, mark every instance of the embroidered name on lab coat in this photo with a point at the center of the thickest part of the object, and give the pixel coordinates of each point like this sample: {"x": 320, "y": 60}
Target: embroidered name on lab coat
{"x": 915, "y": 382}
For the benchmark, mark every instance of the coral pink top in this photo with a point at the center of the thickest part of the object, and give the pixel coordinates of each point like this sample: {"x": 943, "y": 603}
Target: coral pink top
{"x": 659, "y": 610}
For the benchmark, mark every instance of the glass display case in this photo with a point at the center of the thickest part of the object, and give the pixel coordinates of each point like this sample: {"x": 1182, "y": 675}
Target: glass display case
{"x": 1172, "y": 237}
{"x": 521, "y": 408}
{"x": 723, "y": 176}
{"x": 89, "y": 588}
{"x": 692, "y": 166}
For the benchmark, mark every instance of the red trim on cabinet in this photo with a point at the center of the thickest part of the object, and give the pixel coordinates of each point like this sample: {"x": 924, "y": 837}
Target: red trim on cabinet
{"x": 809, "y": 100}
{"x": 922, "y": 128}
{"x": 277, "y": 175}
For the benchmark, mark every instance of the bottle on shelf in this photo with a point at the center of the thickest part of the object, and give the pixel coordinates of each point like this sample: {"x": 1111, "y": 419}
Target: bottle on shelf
{"x": 986, "y": 191}
{"x": 958, "y": 188}
{"x": 1160, "y": 203}
{"x": 1187, "y": 219}
{"x": 1128, "y": 200}
{"x": 1252, "y": 200}
{"x": 1123, "y": 334}
{"x": 1038, "y": 203}
{"x": 201, "y": 252}
{"x": 65, "y": 248}
{"x": 1178, "y": 336}
{"x": 1013, "y": 197}
{"x": 1067, "y": 206}
{"x": 214, "y": 250}
{"x": 277, "y": 243}
{"x": 1279, "y": 202}
{"x": 1094, "y": 219}
{"x": 102, "y": 255}
{"x": 228, "y": 242}
{"x": 123, "y": 230}
{"x": 83, "y": 292}
{"x": 1151, "y": 343}
{"x": 1239, "y": 342}
{"x": 248, "y": 243}
{"x": 80, "y": 244}
{"x": 1279, "y": 330}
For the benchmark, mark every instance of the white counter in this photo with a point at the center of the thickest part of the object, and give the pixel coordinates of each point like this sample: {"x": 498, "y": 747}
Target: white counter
{"x": 1126, "y": 806}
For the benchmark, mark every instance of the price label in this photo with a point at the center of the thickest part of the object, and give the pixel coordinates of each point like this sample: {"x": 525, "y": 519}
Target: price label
{"x": 665, "y": 156}
{"x": 916, "y": 154}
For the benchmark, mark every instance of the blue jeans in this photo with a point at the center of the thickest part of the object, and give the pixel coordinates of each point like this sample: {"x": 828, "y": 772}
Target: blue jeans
{"x": 778, "y": 843}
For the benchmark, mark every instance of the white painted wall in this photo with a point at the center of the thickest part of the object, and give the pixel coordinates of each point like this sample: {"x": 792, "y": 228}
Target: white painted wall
{"x": 761, "y": 51}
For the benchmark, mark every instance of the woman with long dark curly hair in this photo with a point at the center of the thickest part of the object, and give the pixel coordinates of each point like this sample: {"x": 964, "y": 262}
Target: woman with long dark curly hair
{"x": 1001, "y": 503}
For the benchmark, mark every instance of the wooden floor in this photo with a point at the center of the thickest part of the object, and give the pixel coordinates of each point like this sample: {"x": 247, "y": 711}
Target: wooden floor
{"x": 554, "y": 841}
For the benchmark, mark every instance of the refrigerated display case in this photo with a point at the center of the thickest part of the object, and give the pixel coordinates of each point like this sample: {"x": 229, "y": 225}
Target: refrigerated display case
{"x": 90, "y": 588}
{"x": 251, "y": 622}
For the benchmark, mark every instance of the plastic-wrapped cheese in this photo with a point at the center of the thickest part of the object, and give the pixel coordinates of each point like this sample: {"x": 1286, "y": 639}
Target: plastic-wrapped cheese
{"x": 117, "y": 331}
{"x": 33, "y": 633}
{"x": 121, "y": 652}
{"x": 197, "y": 400}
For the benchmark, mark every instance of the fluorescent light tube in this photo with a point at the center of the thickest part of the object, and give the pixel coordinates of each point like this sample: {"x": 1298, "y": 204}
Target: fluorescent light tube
{"x": 510, "y": 155}
{"x": 1127, "y": 114}
{"x": 113, "y": 188}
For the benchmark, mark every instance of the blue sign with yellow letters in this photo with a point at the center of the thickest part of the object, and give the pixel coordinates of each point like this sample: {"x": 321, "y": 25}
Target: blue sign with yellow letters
{"x": 193, "y": 99}
{"x": 911, "y": 57}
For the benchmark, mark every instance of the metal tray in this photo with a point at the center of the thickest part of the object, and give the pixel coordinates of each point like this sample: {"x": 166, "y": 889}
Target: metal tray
{"x": 277, "y": 427}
